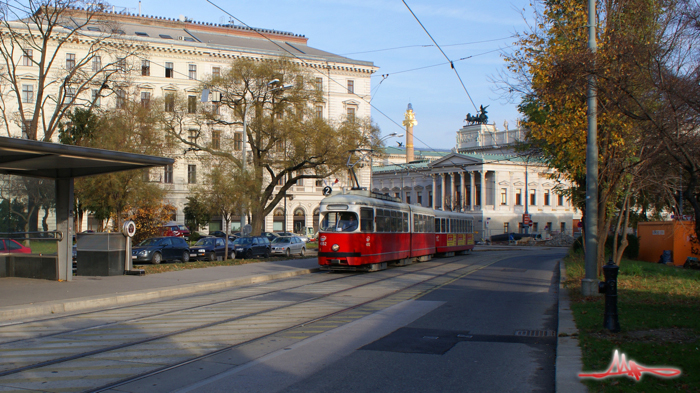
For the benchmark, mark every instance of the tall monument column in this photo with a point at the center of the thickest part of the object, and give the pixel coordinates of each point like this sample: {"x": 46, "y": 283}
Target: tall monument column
{"x": 409, "y": 122}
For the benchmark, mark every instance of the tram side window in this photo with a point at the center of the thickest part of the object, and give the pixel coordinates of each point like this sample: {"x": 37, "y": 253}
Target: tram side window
{"x": 395, "y": 221}
{"x": 367, "y": 219}
{"x": 379, "y": 220}
{"x": 405, "y": 222}
{"x": 437, "y": 225}
{"x": 443, "y": 225}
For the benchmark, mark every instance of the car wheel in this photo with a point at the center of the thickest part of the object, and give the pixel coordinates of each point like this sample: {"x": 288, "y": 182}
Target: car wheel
{"x": 288, "y": 253}
{"x": 212, "y": 256}
{"x": 303, "y": 251}
{"x": 185, "y": 256}
{"x": 157, "y": 258}
{"x": 249, "y": 253}
{"x": 267, "y": 253}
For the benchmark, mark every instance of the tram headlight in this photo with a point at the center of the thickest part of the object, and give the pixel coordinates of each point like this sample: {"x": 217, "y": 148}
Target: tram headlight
{"x": 335, "y": 247}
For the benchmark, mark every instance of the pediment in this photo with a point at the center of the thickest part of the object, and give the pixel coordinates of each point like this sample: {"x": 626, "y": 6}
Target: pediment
{"x": 169, "y": 87}
{"x": 146, "y": 86}
{"x": 28, "y": 77}
{"x": 504, "y": 183}
{"x": 547, "y": 185}
{"x": 455, "y": 160}
{"x": 519, "y": 184}
{"x": 351, "y": 102}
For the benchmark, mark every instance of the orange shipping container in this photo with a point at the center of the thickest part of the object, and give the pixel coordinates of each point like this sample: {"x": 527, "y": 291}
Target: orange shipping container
{"x": 655, "y": 237}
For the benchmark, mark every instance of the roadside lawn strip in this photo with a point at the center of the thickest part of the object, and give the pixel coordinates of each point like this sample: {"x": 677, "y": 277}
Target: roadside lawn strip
{"x": 659, "y": 314}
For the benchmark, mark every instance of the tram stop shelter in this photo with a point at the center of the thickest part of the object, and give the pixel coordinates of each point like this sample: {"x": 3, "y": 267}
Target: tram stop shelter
{"x": 63, "y": 163}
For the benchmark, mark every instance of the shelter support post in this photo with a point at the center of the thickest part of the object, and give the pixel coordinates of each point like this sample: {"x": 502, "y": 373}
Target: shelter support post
{"x": 64, "y": 224}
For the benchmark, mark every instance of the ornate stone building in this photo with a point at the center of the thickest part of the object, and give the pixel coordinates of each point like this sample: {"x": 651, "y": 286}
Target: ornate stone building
{"x": 169, "y": 56}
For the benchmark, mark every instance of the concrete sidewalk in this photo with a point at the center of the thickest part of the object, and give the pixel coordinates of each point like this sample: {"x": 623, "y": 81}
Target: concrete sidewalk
{"x": 27, "y": 298}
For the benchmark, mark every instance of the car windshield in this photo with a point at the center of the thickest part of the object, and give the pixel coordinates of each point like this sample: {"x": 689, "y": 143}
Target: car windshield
{"x": 205, "y": 242}
{"x": 150, "y": 242}
{"x": 281, "y": 240}
{"x": 243, "y": 240}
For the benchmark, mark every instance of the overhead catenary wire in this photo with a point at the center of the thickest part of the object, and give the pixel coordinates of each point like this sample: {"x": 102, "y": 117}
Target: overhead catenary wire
{"x": 443, "y": 53}
{"x": 425, "y": 46}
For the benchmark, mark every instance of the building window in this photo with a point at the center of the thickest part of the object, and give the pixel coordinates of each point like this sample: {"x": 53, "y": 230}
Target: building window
{"x": 419, "y": 198}
{"x": 192, "y": 174}
{"x": 216, "y": 72}
{"x": 146, "y": 99}
{"x": 193, "y": 71}
{"x": 96, "y": 97}
{"x": 192, "y": 136}
{"x": 533, "y": 197}
{"x": 280, "y": 181}
{"x": 191, "y": 104}
{"x": 351, "y": 86}
{"x": 168, "y": 69}
{"x": 546, "y": 197}
{"x": 506, "y": 227}
{"x": 319, "y": 183}
{"x": 518, "y": 197}
{"x": 319, "y": 84}
{"x": 548, "y": 227}
{"x": 319, "y": 111}
{"x": 26, "y": 126}
{"x": 216, "y": 107}
{"x": 70, "y": 95}
{"x": 238, "y": 141}
{"x": 145, "y": 68}
{"x": 121, "y": 99}
{"x": 216, "y": 139}
{"x": 562, "y": 227}
{"x": 430, "y": 198}
{"x": 534, "y": 227}
{"x": 408, "y": 199}
{"x": 561, "y": 199}
{"x": 96, "y": 64}
{"x": 504, "y": 196}
{"x": 27, "y": 57}
{"x": 28, "y": 93}
{"x": 351, "y": 113}
{"x": 169, "y": 102}
{"x": 70, "y": 61}
{"x": 121, "y": 64}
{"x": 168, "y": 175}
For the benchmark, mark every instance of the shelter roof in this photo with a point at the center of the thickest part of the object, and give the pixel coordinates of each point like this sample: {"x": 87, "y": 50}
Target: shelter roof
{"x": 25, "y": 157}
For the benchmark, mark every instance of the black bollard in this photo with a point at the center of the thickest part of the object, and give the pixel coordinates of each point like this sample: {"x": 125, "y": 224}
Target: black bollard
{"x": 609, "y": 288}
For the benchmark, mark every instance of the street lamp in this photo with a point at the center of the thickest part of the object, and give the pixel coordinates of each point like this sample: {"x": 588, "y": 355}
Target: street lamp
{"x": 371, "y": 156}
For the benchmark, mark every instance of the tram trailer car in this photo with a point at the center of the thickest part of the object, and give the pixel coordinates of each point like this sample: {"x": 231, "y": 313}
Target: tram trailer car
{"x": 361, "y": 230}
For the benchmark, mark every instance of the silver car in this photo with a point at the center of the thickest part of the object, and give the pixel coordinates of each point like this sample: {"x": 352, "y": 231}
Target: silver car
{"x": 288, "y": 245}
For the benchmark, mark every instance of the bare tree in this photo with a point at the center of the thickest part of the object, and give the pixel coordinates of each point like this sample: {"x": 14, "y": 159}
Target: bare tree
{"x": 52, "y": 53}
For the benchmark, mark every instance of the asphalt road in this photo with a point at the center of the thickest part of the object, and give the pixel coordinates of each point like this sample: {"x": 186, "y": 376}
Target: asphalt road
{"x": 480, "y": 322}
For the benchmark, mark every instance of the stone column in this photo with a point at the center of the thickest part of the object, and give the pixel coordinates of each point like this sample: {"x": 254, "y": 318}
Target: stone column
{"x": 463, "y": 188}
{"x": 434, "y": 191}
{"x": 409, "y": 122}
{"x": 443, "y": 183}
{"x": 472, "y": 192}
{"x": 482, "y": 190}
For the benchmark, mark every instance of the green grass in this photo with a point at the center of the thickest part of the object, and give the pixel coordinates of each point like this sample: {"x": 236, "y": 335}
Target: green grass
{"x": 43, "y": 246}
{"x": 173, "y": 267}
{"x": 659, "y": 319}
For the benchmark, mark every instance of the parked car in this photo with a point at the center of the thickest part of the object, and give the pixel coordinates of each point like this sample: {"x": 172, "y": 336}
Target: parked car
{"x": 175, "y": 229}
{"x": 13, "y": 247}
{"x": 285, "y": 234}
{"x": 208, "y": 248}
{"x": 271, "y": 236}
{"x": 303, "y": 238}
{"x": 223, "y": 234}
{"x": 288, "y": 245}
{"x": 158, "y": 249}
{"x": 248, "y": 247}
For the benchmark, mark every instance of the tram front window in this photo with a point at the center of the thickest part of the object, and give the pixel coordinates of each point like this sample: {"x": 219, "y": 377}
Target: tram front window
{"x": 339, "y": 222}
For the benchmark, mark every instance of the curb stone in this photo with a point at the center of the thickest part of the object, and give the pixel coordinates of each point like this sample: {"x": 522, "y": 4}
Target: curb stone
{"x": 102, "y": 301}
{"x": 568, "y": 361}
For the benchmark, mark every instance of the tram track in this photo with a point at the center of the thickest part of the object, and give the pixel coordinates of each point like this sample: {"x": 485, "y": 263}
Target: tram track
{"x": 393, "y": 274}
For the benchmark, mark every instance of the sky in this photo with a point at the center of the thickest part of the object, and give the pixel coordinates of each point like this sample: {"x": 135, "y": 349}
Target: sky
{"x": 370, "y": 30}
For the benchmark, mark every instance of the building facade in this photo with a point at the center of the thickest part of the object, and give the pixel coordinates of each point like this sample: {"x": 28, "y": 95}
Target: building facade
{"x": 167, "y": 56}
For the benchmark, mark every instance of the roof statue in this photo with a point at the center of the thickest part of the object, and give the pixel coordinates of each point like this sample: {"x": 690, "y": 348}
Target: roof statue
{"x": 479, "y": 118}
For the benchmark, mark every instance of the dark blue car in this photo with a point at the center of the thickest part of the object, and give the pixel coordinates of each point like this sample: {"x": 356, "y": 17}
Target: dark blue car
{"x": 159, "y": 249}
{"x": 208, "y": 248}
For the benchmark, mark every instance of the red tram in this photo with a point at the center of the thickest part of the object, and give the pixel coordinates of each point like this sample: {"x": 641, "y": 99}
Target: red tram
{"x": 361, "y": 230}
